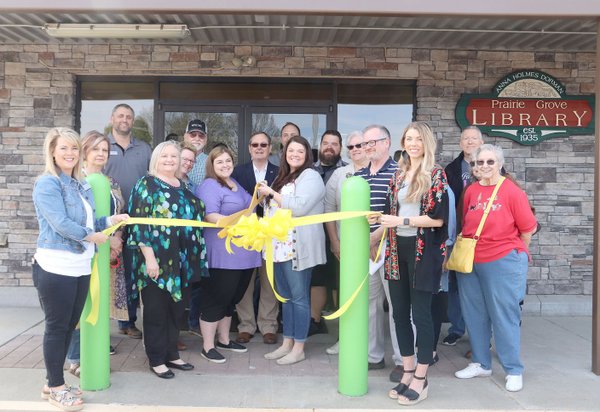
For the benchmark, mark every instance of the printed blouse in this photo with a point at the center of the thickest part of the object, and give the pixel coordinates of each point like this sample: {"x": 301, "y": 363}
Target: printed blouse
{"x": 180, "y": 251}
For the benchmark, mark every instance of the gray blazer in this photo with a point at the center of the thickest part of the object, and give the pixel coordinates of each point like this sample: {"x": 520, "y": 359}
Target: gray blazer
{"x": 308, "y": 199}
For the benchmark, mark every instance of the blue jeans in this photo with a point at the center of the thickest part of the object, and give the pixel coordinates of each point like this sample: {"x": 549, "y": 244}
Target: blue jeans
{"x": 457, "y": 323}
{"x": 489, "y": 297}
{"x": 74, "y": 347}
{"x": 294, "y": 286}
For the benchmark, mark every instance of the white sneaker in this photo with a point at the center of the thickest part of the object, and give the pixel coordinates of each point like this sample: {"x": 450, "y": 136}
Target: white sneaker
{"x": 514, "y": 383}
{"x": 334, "y": 349}
{"x": 474, "y": 370}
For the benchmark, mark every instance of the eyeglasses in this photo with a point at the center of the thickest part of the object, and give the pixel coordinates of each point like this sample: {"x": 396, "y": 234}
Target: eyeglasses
{"x": 372, "y": 143}
{"x": 352, "y": 146}
{"x": 489, "y": 162}
{"x": 263, "y": 145}
{"x": 191, "y": 161}
{"x": 197, "y": 134}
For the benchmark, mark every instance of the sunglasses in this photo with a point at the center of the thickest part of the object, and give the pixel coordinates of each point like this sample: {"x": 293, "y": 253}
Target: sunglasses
{"x": 489, "y": 162}
{"x": 255, "y": 145}
{"x": 352, "y": 146}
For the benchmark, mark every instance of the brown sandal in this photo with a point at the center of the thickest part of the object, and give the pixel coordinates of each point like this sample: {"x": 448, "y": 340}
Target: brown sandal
{"x": 75, "y": 370}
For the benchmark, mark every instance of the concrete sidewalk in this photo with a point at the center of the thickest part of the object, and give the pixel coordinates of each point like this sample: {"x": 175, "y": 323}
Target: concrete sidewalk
{"x": 556, "y": 352}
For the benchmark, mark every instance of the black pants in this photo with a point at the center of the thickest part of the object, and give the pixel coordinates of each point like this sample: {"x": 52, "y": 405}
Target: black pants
{"x": 220, "y": 292}
{"x": 439, "y": 310}
{"x": 161, "y": 333}
{"x": 405, "y": 297}
{"x": 62, "y": 299}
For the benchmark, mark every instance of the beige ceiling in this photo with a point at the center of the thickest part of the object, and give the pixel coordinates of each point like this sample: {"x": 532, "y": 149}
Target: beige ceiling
{"x": 473, "y": 32}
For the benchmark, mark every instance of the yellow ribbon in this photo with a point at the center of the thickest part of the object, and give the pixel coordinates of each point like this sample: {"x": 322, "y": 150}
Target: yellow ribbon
{"x": 244, "y": 229}
{"x": 92, "y": 317}
{"x": 94, "y": 293}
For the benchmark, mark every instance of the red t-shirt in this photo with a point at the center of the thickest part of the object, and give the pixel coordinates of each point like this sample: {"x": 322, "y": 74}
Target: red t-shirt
{"x": 509, "y": 216}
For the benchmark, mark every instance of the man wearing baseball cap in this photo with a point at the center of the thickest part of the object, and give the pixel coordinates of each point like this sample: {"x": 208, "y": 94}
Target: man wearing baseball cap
{"x": 196, "y": 134}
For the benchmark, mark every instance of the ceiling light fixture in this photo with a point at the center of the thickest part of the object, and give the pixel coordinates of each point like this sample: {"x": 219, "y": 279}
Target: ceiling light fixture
{"x": 117, "y": 31}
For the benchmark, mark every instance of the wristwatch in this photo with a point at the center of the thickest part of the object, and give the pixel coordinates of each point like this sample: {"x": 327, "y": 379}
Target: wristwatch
{"x": 406, "y": 221}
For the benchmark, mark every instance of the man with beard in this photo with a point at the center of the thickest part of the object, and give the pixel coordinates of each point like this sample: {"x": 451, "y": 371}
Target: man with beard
{"x": 196, "y": 134}
{"x": 323, "y": 276}
{"x": 128, "y": 162}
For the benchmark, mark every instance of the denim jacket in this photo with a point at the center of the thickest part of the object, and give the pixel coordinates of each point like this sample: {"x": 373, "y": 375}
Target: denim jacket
{"x": 61, "y": 214}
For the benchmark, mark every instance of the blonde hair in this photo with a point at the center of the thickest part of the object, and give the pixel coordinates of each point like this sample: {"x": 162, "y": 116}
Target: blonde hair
{"x": 158, "y": 151}
{"x": 50, "y": 145}
{"x": 91, "y": 140}
{"x": 421, "y": 181}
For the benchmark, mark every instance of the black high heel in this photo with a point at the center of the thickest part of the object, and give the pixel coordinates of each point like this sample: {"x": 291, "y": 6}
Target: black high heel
{"x": 400, "y": 388}
{"x": 412, "y": 396}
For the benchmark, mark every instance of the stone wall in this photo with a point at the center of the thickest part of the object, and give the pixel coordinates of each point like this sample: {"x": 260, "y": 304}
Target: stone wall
{"x": 37, "y": 91}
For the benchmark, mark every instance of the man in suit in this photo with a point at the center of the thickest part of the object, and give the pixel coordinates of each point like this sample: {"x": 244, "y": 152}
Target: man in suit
{"x": 247, "y": 175}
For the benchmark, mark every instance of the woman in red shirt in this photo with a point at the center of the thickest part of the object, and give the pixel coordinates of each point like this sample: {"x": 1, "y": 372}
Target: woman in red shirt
{"x": 490, "y": 294}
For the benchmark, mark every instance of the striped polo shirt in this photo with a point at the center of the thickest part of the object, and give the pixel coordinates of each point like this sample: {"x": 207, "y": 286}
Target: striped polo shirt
{"x": 379, "y": 183}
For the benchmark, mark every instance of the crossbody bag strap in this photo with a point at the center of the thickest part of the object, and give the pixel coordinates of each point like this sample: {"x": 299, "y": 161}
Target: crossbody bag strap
{"x": 488, "y": 208}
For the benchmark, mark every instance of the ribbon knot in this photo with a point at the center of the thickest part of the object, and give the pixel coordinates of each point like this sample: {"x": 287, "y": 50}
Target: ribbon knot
{"x": 251, "y": 233}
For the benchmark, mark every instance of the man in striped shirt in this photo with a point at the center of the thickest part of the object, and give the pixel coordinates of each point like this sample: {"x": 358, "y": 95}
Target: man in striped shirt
{"x": 378, "y": 173}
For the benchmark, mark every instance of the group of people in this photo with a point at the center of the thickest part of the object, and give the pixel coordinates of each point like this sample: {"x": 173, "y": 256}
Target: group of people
{"x": 173, "y": 268}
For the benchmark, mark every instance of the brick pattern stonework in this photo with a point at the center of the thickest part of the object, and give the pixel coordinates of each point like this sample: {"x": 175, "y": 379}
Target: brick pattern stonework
{"x": 37, "y": 91}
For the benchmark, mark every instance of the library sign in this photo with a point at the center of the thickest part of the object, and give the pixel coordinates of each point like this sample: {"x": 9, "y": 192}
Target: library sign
{"x": 527, "y": 106}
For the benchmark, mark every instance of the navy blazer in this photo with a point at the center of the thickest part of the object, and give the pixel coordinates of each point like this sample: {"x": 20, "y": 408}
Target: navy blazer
{"x": 244, "y": 175}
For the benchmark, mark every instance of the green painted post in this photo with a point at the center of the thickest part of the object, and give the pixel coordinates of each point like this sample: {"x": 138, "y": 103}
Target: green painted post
{"x": 354, "y": 265}
{"x": 95, "y": 339}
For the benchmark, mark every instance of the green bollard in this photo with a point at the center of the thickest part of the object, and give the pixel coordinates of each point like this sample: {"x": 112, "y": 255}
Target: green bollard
{"x": 354, "y": 265}
{"x": 95, "y": 339}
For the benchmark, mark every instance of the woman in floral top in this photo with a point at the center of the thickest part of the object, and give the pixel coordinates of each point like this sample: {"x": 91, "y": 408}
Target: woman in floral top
{"x": 417, "y": 231}
{"x": 168, "y": 257}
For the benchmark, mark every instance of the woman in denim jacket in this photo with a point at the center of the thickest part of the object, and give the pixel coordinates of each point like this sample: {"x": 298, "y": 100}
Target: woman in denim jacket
{"x": 68, "y": 234}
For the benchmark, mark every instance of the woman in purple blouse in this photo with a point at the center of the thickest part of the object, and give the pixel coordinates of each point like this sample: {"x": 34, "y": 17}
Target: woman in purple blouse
{"x": 229, "y": 274}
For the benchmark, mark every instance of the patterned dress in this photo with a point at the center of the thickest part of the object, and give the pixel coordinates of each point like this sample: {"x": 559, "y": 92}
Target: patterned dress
{"x": 118, "y": 287}
{"x": 180, "y": 251}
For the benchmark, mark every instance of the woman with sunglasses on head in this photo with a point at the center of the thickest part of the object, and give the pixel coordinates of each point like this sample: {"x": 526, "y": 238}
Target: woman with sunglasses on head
{"x": 333, "y": 198}
{"x": 417, "y": 231}
{"x": 299, "y": 188}
{"x": 68, "y": 235}
{"x": 490, "y": 294}
{"x": 188, "y": 160}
